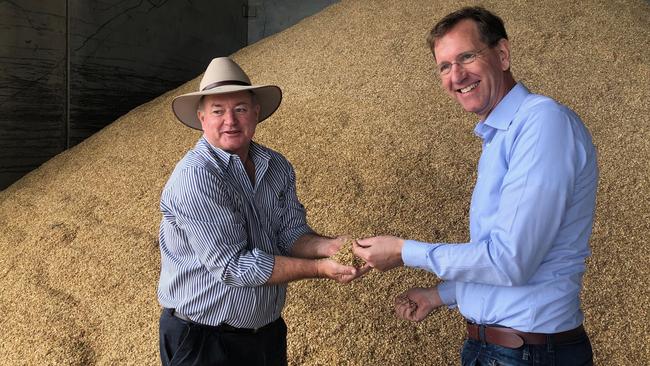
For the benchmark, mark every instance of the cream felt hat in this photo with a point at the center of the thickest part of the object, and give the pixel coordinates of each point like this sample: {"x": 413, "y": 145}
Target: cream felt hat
{"x": 224, "y": 76}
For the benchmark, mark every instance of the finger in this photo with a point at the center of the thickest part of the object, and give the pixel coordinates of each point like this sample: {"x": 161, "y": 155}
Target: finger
{"x": 412, "y": 313}
{"x": 401, "y": 299}
{"x": 365, "y": 269}
{"x": 401, "y": 311}
{"x": 362, "y": 243}
{"x": 421, "y": 315}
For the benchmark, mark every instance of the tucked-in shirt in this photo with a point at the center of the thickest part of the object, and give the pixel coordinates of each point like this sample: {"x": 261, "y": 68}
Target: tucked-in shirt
{"x": 219, "y": 234}
{"x": 531, "y": 217}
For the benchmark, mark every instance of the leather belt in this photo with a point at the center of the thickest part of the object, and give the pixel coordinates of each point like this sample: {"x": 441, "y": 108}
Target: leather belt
{"x": 223, "y": 327}
{"x": 512, "y": 338}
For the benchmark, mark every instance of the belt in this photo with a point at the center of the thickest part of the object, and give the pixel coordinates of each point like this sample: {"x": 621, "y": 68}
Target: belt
{"x": 223, "y": 327}
{"x": 512, "y": 338}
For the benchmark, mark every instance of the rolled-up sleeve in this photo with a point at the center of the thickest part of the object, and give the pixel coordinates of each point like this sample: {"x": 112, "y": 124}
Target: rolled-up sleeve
{"x": 216, "y": 230}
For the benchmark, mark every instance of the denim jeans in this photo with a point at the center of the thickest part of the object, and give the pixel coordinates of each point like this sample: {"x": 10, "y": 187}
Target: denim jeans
{"x": 576, "y": 353}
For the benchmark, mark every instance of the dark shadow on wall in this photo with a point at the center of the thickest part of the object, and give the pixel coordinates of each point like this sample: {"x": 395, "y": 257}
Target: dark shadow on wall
{"x": 70, "y": 67}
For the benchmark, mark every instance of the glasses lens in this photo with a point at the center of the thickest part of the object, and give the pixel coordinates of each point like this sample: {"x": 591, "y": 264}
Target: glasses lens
{"x": 443, "y": 69}
{"x": 467, "y": 57}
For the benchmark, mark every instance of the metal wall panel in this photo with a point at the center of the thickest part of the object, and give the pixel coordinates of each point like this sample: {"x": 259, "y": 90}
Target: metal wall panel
{"x": 32, "y": 85}
{"x": 119, "y": 53}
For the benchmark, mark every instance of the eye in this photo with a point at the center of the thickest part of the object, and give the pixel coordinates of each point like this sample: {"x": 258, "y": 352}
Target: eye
{"x": 466, "y": 57}
{"x": 444, "y": 68}
{"x": 217, "y": 112}
{"x": 241, "y": 109}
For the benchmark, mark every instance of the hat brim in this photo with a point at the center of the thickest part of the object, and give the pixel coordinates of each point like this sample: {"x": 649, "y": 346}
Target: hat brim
{"x": 185, "y": 106}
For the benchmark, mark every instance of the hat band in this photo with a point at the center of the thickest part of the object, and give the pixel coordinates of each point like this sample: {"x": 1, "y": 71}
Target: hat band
{"x": 225, "y": 82}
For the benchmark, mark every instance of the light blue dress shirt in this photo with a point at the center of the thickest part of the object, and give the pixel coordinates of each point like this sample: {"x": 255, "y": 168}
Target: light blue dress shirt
{"x": 531, "y": 217}
{"x": 219, "y": 234}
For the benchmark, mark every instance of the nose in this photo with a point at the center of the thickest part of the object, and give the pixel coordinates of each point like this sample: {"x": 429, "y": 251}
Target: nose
{"x": 457, "y": 72}
{"x": 229, "y": 116}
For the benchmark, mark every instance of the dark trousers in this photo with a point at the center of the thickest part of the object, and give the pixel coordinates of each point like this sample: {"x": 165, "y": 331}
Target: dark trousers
{"x": 186, "y": 343}
{"x": 575, "y": 353}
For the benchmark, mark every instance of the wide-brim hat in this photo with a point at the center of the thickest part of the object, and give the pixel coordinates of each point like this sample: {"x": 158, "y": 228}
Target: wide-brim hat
{"x": 224, "y": 76}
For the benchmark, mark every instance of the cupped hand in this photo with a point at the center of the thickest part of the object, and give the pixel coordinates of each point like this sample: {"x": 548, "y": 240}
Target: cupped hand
{"x": 340, "y": 273}
{"x": 417, "y": 303}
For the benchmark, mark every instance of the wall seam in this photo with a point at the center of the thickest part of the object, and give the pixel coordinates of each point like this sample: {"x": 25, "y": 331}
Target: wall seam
{"x": 66, "y": 127}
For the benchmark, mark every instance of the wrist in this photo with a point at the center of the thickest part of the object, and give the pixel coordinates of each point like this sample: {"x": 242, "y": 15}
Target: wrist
{"x": 318, "y": 268}
{"x": 434, "y": 297}
{"x": 400, "y": 247}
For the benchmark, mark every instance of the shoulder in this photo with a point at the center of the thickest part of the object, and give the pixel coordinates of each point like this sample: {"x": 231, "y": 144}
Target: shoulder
{"x": 194, "y": 173}
{"x": 542, "y": 112}
{"x": 536, "y": 106}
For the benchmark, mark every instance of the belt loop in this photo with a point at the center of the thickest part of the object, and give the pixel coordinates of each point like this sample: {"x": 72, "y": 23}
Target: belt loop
{"x": 481, "y": 333}
{"x": 549, "y": 343}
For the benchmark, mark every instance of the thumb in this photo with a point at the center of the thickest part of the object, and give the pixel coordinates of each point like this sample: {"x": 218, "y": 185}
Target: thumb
{"x": 363, "y": 243}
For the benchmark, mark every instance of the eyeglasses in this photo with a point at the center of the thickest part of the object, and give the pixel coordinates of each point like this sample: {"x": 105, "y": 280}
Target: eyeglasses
{"x": 464, "y": 58}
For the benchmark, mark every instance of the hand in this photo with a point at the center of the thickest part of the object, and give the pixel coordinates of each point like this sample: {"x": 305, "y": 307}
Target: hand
{"x": 332, "y": 245}
{"x": 416, "y": 303}
{"x": 381, "y": 252}
{"x": 338, "y": 272}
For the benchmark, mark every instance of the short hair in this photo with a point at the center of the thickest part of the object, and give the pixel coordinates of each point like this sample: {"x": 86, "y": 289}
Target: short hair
{"x": 490, "y": 26}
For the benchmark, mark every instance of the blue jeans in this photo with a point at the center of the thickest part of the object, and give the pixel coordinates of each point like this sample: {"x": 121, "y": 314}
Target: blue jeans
{"x": 576, "y": 353}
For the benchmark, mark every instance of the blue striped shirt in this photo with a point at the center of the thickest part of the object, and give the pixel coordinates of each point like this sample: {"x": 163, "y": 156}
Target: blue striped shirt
{"x": 531, "y": 217}
{"x": 219, "y": 234}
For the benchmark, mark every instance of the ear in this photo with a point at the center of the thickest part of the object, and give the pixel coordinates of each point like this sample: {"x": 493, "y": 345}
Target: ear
{"x": 257, "y": 111}
{"x": 503, "y": 50}
{"x": 200, "y": 115}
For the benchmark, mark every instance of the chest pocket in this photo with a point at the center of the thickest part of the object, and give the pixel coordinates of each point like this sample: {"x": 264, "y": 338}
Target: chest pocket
{"x": 279, "y": 210}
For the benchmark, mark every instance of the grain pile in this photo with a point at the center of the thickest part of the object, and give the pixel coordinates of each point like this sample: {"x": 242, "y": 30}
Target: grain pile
{"x": 378, "y": 149}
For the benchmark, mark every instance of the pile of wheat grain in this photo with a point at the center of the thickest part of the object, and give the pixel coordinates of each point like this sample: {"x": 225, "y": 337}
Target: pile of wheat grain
{"x": 378, "y": 149}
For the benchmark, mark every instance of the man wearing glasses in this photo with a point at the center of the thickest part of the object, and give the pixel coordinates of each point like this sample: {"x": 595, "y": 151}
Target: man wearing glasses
{"x": 518, "y": 279}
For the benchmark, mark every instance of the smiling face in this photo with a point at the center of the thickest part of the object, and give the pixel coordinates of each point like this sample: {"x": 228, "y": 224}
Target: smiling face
{"x": 229, "y": 121}
{"x": 478, "y": 86}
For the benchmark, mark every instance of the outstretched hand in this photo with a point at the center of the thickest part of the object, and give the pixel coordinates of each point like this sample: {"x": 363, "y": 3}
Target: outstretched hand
{"x": 381, "y": 252}
{"x": 340, "y": 273}
{"x": 417, "y": 303}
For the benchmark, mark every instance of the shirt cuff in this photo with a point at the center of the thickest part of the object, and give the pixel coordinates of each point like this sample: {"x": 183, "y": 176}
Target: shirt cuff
{"x": 264, "y": 267}
{"x": 447, "y": 293}
{"x": 416, "y": 254}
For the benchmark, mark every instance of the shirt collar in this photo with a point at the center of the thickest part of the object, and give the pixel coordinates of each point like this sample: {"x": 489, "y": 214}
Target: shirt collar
{"x": 223, "y": 158}
{"x": 503, "y": 114}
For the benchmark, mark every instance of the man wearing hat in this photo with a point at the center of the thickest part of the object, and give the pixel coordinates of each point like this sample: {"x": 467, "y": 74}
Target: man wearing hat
{"x": 233, "y": 232}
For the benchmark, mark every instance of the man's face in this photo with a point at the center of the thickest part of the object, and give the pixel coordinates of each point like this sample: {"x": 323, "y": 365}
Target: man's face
{"x": 478, "y": 86}
{"x": 229, "y": 121}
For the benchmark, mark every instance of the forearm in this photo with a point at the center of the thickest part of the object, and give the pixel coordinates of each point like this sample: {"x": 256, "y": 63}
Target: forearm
{"x": 312, "y": 246}
{"x": 287, "y": 269}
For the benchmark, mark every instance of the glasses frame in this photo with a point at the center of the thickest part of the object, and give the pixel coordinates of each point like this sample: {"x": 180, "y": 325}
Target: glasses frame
{"x": 461, "y": 59}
